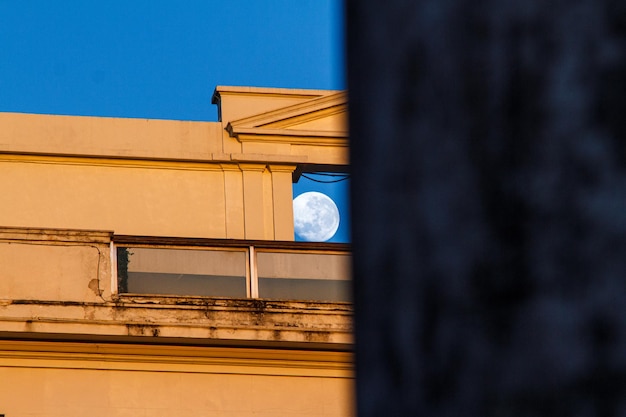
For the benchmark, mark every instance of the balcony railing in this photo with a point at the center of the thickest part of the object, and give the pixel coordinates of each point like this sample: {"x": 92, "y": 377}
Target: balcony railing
{"x": 233, "y": 268}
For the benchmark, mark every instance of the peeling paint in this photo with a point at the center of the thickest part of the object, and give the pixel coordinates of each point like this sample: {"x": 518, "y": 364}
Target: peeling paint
{"x": 317, "y": 336}
{"x": 142, "y": 330}
{"x": 182, "y": 317}
{"x": 94, "y": 285}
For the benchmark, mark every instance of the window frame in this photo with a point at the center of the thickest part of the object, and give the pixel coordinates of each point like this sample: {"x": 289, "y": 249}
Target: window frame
{"x": 250, "y": 247}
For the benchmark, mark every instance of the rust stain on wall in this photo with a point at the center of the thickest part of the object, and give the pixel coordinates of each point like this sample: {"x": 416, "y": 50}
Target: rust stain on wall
{"x": 142, "y": 330}
{"x": 94, "y": 285}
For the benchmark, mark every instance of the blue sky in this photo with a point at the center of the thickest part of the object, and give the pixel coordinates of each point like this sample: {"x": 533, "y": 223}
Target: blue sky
{"x": 338, "y": 191}
{"x": 162, "y": 59}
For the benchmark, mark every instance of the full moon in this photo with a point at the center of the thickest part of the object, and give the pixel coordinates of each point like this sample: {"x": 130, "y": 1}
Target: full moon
{"x": 316, "y": 217}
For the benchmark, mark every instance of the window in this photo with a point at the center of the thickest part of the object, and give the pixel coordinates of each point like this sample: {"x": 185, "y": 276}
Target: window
{"x": 237, "y": 269}
{"x": 220, "y": 273}
{"x": 302, "y": 275}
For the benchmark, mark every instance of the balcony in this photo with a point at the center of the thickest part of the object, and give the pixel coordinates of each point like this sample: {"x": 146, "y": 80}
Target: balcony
{"x": 85, "y": 284}
{"x": 235, "y": 269}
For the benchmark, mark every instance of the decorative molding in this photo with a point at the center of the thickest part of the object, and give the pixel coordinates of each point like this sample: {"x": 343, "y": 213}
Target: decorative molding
{"x": 271, "y": 159}
{"x": 307, "y": 111}
{"x": 214, "y": 162}
{"x": 282, "y": 168}
{"x": 266, "y": 92}
{"x": 289, "y": 136}
{"x": 277, "y": 125}
{"x": 186, "y": 359}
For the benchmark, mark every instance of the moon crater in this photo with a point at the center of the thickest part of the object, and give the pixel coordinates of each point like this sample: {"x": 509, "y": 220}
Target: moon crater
{"x": 316, "y": 217}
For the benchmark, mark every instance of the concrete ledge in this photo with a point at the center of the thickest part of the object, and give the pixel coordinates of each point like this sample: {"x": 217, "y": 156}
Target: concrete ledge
{"x": 54, "y": 235}
{"x": 249, "y": 320}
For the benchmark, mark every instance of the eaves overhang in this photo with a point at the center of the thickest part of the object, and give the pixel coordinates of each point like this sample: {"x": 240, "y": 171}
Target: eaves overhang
{"x": 291, "y": 136}
{"x": 266, "y": 91}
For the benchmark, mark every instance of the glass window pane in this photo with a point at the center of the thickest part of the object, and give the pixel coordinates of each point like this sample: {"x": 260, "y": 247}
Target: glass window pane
{"x": 304, "y": 276}
{"x": 218, "y": 273}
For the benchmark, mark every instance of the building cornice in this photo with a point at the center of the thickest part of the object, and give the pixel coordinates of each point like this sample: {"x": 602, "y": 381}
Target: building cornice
{"x": 139, "y": 356}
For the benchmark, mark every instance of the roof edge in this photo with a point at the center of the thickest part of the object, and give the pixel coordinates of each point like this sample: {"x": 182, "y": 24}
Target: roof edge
{"x": 271, "y": 91}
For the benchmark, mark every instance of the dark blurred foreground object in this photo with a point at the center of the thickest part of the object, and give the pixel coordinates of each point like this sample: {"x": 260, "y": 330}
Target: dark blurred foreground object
{"x": 489, "y": 206}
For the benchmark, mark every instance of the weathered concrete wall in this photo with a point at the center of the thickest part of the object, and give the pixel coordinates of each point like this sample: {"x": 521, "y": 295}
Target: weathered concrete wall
{"x": 55, "y": 265}
{"x": 185, "y": 319}
{"x": 61, "y": 282}
{"x": 281, "y": 358}
{"x": 489, "y": 223}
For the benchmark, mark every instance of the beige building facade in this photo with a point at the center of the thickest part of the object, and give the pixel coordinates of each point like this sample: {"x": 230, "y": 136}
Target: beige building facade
{"x": 148, "y": 267}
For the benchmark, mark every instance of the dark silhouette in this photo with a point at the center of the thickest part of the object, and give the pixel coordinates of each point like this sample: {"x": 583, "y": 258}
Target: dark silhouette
{"x": 489, "y": 206}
